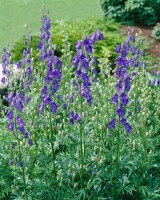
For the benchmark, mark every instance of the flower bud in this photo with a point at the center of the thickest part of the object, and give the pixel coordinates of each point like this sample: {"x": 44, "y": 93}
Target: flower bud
{"x": 148, "y": 134}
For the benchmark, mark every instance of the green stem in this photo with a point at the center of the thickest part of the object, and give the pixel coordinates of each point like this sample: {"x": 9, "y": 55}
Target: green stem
{"x": 52, "y": 146}
{"x": 81, "y": 149}
{"x": 144, "y": 143}
{"x": 24, "y": 181}
{"x": 117, "y": 164}
{"x": 19, "y": 155}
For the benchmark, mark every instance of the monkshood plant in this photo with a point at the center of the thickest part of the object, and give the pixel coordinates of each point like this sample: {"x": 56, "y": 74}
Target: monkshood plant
{"x": 82, "y": 83}
{"x": 127, "y": 63}
{"x": 130, "y": 67}
{"x": 18, "y": 105}
{"x": 51, "y": 100}
{"x": 77, "y": 129}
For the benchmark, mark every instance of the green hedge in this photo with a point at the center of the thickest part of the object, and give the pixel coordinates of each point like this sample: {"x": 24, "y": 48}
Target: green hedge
{"x": 143, "y": 12}
{"x": 156, "y": 32}
{"x": 75, "y": 31}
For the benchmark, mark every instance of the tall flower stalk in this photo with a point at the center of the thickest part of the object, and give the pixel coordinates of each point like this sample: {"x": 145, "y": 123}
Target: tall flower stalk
{"x": 17, "y": 103}
{"x": 126, "y": 66}
{"x": 52, "y": 78}
{"x": 82, "y": 64}
{"x": 17, "y": 125}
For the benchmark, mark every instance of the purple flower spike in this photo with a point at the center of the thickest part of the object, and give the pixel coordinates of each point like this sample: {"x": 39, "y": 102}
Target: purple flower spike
{"x": 118, "y": 48}
{"x": 128, "y": 127}
{"x": 99, "y": 35}
{"x": 44, "y": 90}
{"x": 46, "y": 99}
{"x": 124, "y": 98}
{"x": 75, "y": 61}
{"x": 3, "y": 80}
{"x": 64, "y": 106}
{"x": 71, "y": 121}
{"x": 71, "y": 114}
{"x": 86, "y": 41}
{"x": 20, "y": 121}
{"x": 27, "y": 99}
{"x": 95, "y": 71}
{"x": 74, "y": 117}
{"x": 26, "y": 135}
{"x": 10, "y": 126}
{"x": 78, "y": 45}
{"x": 20, "y": 164}
{"x": 119, "y": 86}
{"x": 21, "y": 129}
{"x": 10, "y": 115}
{"x": 28, "y": 71}
{"x": 88, "y": 48}
{"x": 54, "y": 107}
{"x": 19, "y": 106}
{"x": 114, "y": 99}
{"x": 112, "y": 124}
{"x": 87, "y": 45}
{"x": 95, "y": 62}
{"x": 30, "y": 142}
{"x": 10, "y": 162}
{"x": 77, "y": 118}
{"x": 123, "y": 121}
{"x": 19, "y": 96}
{"x": 152, "y": 83}
{"x": 92, "y": 38}
{"x": 139, "y": 108}
{"x": 41, "y": 108}
{"x": 120, "y": 111}
{"x": 57, "y": 62}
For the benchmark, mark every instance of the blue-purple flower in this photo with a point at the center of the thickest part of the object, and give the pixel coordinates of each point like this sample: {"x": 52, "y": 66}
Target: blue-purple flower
{"x": 112, "y": 124}
{"x": 74, "y": 117}
{"x": 10, "y": 126}
{"x": 10, "y": 97}
{"x": 128, "y": 127}
{"x": 20, "y": 164}
{"x": 114, "y": 99}
{"x": 10, "y": 162}
{"x": 30, "y": 142}
{"x": 10, "y": 115}
{"x": 54, "y": 107}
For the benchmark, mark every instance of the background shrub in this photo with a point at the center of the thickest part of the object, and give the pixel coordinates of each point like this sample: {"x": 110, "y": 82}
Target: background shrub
{"x": 75, "y": 30}
{"x": 142, "y": 12}
{"x": 156, "y": 32}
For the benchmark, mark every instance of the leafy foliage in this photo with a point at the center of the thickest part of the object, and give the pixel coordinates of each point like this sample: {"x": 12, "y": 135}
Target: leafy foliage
{"x": 52, "y": 164}
{"x": 75, "y": 30}
{"x": 143, "y": 12}
{"x": 156, "y": 32}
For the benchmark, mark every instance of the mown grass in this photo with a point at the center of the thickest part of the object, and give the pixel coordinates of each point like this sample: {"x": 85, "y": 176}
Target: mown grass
{"x": 14, "y": 14}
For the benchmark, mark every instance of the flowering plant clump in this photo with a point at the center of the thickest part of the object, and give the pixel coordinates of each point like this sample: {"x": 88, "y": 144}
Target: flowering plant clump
{"x": 76, "y": 129}
{"x": 53, "y": 73}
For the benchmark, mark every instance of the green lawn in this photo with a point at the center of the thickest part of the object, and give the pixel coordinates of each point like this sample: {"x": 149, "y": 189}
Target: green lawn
{"x": 14, "y": 14}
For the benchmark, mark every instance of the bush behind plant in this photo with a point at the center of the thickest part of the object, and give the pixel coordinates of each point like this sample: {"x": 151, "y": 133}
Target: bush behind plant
{"x": 156, "y": 32}
{"x": 142, "y": 12}
{"x": 75, "y": 30}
